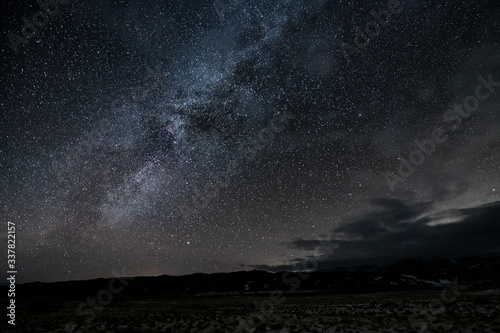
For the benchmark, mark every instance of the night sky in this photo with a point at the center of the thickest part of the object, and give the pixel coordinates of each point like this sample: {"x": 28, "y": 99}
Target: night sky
{"x": 174, "y": 137}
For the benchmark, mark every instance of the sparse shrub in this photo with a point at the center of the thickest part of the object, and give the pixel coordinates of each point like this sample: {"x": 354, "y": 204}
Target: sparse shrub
{"x": 261, "y": 328}
{"x": 276, "y": 326}
{"x": 483, "y": 301}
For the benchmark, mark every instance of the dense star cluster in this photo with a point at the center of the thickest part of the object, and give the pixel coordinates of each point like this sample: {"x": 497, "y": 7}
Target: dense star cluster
{"x": 173, "y": 137}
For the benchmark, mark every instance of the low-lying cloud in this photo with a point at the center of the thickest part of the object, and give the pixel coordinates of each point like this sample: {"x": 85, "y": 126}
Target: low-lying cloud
{"x": 397, "y": 229}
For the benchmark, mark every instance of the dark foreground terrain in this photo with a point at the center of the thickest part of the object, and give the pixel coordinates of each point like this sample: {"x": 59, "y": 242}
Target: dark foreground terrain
{"x": 437, "y": 295}
{"x": 416, "y": 311}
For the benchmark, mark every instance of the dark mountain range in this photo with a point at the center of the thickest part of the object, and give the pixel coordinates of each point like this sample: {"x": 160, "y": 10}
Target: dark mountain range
{"x": 409, "y": 274}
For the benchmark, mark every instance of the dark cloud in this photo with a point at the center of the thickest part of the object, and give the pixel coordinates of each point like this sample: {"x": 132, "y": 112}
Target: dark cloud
{"x": 409, "y": 230}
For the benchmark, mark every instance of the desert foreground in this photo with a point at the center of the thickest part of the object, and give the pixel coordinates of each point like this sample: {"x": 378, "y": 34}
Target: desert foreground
{"x": 403, "y": 311}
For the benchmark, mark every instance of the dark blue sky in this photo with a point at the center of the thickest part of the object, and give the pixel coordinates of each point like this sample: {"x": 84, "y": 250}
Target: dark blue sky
{"x": 172, "y": 137}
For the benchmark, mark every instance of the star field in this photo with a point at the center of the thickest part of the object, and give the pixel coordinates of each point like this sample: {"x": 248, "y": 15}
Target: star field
{"x": 180, "y": 137}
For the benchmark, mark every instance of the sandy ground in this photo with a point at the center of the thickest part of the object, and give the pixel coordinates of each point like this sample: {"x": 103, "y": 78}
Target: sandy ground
{"x": 380, "y": 312}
